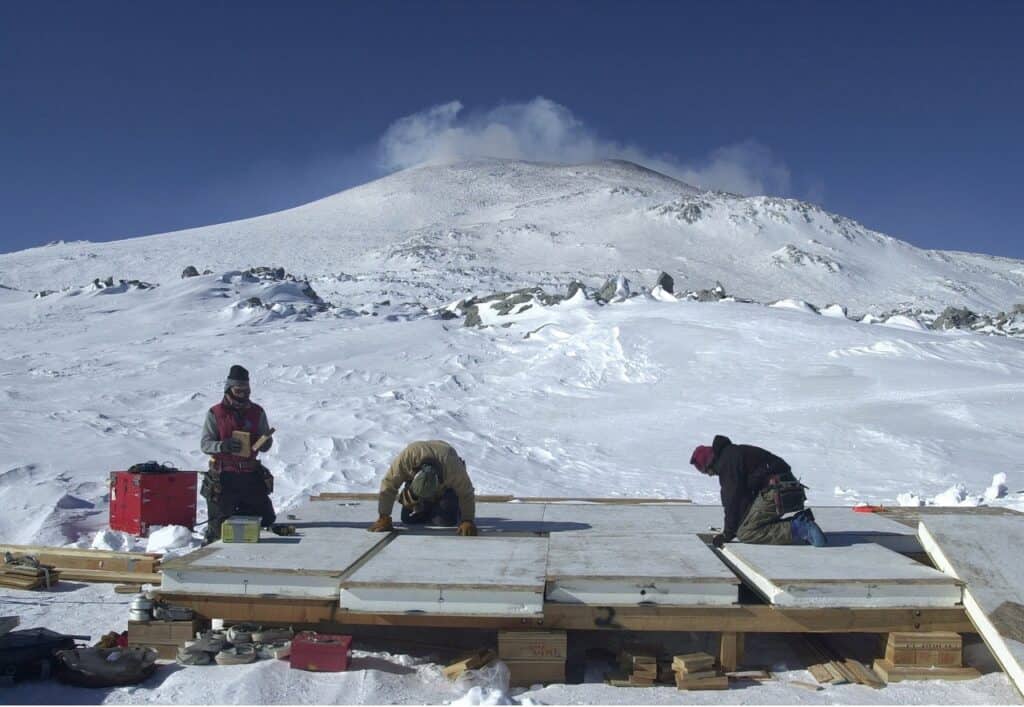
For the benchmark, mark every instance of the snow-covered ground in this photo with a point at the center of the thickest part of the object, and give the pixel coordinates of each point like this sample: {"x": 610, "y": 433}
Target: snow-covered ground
{"x": 574, "y": 399}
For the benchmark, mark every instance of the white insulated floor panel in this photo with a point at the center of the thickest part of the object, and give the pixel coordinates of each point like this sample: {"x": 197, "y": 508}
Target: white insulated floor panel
{"x": 447, "y": 574}
{"x": 842, "y": 524}
{"x": 300, "y": 566}
{"x": 983, "y": 551}
{"x": 624, "y": 570}
{"x": 864, "y": 575}
{"x": 605, "y": 518}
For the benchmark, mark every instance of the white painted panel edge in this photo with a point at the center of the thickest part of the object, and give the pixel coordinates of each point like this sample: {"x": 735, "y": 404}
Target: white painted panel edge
{"x": 979, "y": 617}
{"x": 861, "y": 594}
{"x": 626, "y": 593}
{"x": 250, "y": 584}
{"x": 453, "y": 602}
{"x": 767, "y": 589}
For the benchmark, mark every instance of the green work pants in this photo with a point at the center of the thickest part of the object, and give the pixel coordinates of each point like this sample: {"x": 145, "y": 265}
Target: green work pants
{"x": 763, "y": 526}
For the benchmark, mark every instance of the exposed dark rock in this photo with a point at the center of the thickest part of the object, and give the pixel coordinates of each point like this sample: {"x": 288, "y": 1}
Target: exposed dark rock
{"x": 955, "y": 318}
{"x": 190, "y": 271}
{"x": 614, "y": 288}
{"x": 666, "y": 282}
{"x": 715, "y": 294}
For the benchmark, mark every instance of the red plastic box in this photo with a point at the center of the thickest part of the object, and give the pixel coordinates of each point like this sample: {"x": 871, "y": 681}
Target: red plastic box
{"x": 320, "y": 652}
{"x": 138, "y": 501}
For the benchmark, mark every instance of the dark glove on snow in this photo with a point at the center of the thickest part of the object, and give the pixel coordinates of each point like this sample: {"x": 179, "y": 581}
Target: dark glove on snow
{"x": 230, "y": 446}
{"x": 718, "y": 541}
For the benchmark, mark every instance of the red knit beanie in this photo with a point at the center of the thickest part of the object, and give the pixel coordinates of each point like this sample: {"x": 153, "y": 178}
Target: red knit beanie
{"x": 701, "y": 457}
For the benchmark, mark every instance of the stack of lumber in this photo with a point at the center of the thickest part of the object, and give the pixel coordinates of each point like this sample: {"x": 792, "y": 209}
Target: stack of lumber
{"x": 79, "y": 565}
{"x": 474, "y": 661}
{"x": 27, "y": 574}
{"x": 533, "y": 657}
{"x": 830, "y": 668}
{"x": 923, "y": 656}
{"x": 641, "y": 666}
{"x": 697, "y": 671}
{"x": 165, "y": 637}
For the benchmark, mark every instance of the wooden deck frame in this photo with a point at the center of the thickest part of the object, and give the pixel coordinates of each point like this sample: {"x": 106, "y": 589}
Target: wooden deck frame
{"x": 624, "y": 501}
{"x": 750, "y": 618}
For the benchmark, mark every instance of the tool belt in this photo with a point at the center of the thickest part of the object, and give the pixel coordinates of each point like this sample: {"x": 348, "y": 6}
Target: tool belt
{"x": 786, "y": 493}
{"x": 211, "y": 488}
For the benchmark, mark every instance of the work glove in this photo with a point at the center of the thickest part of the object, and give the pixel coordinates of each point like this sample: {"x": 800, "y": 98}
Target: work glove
{"x": 382, "y": 525}
{"x": 467, "y": 527}
{"x": 718, "y": 541}
{"x": 230, "y": 446}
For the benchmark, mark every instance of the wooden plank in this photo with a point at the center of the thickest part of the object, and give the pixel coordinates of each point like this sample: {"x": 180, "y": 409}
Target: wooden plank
{"x": 863, "y": 674}
{"x": 339, "y": 496}
{"x": 804, "y": 685}
{"x": 837, "y": 677}
{"x": 821, "y": 673}
{"x": 78, "y": 558}
{"x": 109, "y": 576}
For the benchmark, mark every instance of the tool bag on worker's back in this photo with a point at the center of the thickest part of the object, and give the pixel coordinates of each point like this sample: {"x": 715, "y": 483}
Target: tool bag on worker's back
{"x": 786, "y": 492}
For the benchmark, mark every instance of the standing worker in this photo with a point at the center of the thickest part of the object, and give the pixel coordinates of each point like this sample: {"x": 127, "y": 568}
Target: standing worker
{"x": 430, "y": 480}
{"x": 237, "y": 483}
{"x": 758, "y": 489}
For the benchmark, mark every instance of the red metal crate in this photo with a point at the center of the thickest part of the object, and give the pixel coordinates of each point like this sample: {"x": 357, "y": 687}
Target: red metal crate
{"x": 320, "y": 652}
{"x": 138, "y": 501}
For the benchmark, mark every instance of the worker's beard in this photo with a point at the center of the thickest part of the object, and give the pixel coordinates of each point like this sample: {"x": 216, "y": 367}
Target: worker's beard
{"x": 234, "y": 402}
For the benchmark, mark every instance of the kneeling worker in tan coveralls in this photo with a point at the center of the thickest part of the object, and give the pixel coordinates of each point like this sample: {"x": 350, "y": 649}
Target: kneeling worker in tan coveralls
{"x": 430, "y": 480}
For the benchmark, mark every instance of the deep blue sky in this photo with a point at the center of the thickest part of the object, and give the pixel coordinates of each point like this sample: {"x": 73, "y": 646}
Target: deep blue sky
{"x": 126, "y": 118}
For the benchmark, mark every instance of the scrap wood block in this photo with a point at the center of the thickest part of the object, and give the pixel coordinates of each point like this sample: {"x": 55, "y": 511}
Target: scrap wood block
{"x": 693, "y": 662}
{"x": 896, "y": 673}
{"x": 532, "y": 645}
{"x": 719, "y": 682}
{"x": 163, "y": 632}
{"x": 941, "y": 648}
{"x": 524, "y": 673}
{"x": 473, "y": 661}
{"x": 701, "y": 675}
{"x": 749, "y": 675}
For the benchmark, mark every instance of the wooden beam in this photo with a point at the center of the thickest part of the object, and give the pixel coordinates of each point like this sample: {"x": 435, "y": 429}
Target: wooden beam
{"x": 624, "y": 501}
{"x": 67, "y": 558}
{"x": 741, "y": 619}
{"x": 752, "y": 618}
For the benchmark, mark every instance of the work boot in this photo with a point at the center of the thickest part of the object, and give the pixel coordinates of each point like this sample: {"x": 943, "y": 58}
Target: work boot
{"x": 806, "y": 530}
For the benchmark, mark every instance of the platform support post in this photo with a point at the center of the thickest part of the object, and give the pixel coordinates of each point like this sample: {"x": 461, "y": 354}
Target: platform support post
{"x": 730, "y": 653}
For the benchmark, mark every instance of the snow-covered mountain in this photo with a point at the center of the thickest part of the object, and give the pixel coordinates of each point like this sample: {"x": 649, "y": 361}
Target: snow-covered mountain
{"x": 503, "y": 223}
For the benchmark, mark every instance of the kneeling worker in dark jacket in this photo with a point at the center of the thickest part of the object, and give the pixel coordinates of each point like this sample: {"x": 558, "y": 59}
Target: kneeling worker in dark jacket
{"x": 758, "y": 490}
